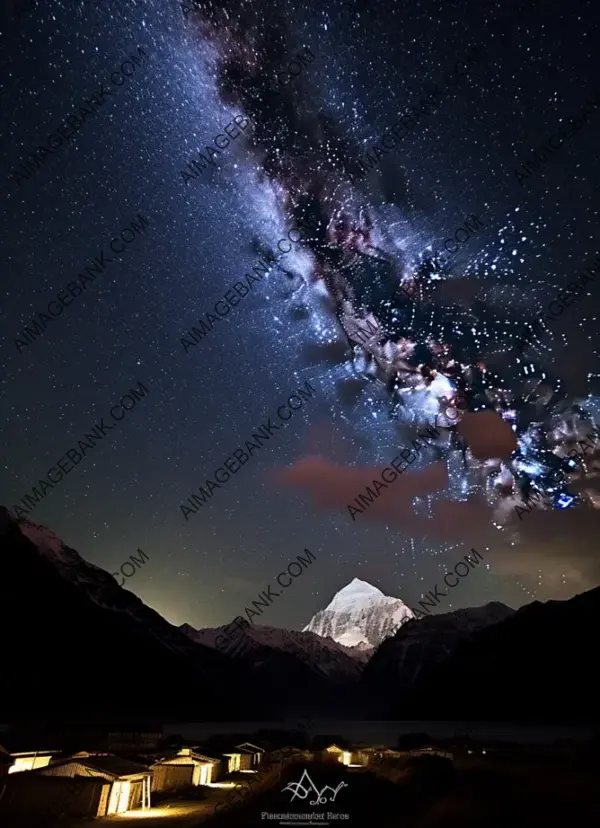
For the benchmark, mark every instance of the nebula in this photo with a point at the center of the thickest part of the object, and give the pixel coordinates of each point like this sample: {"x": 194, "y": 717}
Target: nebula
{"x": 432, "y": 341}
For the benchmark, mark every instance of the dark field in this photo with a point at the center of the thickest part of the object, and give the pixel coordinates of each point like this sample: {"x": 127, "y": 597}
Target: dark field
{"x": 510, "y": 792}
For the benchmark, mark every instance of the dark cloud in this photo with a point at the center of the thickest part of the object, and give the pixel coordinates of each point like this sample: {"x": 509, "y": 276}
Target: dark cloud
{"x": 350, "y": 391}
{"x": 332, "y": 354}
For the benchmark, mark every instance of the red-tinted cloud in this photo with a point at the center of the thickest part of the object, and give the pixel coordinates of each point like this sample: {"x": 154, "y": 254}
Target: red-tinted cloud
{"x": 487, "y": 435}
{"x": 336, "y": 487}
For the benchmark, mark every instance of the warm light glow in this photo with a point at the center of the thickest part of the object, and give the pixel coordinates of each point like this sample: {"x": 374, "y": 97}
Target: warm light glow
{"x": 222, "y": 784}
{"x": 205, "y": 774}
{"x": 234, "y": 762}
{"x": 119, "y": 797}
{"x": 248, "y": 770}
{"x": 171, "y": 811}
{"x": 346, "y": 757}
{"x": 25, "y": 763}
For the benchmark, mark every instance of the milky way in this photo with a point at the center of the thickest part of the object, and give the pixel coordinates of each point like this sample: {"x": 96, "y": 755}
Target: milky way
{"x": 441, "y": 162}
{"x": 424, "y": 344}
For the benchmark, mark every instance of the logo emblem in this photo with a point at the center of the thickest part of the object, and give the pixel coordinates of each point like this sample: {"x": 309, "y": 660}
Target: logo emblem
{"x": 304, "y": 787}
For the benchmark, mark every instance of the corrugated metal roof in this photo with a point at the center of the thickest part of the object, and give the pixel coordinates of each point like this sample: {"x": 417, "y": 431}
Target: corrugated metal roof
{"x": 115, "y": 765}
{"x": 174, "y": 753}
{"x": 251, "y": 747}
{"x": 112, "y": 765}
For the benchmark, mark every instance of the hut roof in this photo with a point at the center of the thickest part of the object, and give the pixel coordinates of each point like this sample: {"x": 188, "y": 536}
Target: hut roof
{"x": 110, "y": 764}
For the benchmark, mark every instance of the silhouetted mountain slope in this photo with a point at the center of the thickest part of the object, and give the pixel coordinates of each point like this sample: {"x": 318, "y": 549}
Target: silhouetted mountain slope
{"x": 417, "y": 648}
{"x": 323, "y": 656}
{"x": 537, "y": 665}
{"x": 76, "y": 645}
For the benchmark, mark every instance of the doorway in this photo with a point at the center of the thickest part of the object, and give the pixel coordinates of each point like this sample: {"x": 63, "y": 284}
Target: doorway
{"x": 119, "y": 797}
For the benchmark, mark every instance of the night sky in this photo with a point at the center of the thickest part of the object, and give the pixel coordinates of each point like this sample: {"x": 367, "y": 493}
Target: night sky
{"x": 371, "y": 62}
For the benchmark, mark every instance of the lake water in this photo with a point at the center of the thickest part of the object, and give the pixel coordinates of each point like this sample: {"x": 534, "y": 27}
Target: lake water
{"x": 382, "y": 732}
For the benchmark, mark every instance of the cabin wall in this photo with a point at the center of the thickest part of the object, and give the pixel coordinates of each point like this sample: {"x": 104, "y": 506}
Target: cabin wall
{"x": 219, "y": 771}
{"x": 246, "y": 762}
{"x": 135, "y": 795}
{"x": 204, "y": 773}
{"x": 104, "y": 800}
{"x": 203, "y": 770}
{"x": 362, "y": 757}
{"x": 214, "y": 772}
{"x": 169, "y": 777}
{"x": 51, "y": 796}
{"x": 234, "y": 763}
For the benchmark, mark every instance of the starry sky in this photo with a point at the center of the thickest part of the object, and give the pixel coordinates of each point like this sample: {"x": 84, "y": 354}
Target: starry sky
{"x": 535, "y": 69}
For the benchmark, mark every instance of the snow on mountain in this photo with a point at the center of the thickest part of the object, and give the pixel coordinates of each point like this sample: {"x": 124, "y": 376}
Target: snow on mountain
{"x": 354, "y": 637}
{"x": 360, "y": 616}
{"x": 67, "y": 561}
{"x": 323, "y": 655}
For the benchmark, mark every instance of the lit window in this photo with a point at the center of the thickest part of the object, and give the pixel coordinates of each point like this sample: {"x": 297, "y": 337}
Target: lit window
{"x": 25, "y": 763}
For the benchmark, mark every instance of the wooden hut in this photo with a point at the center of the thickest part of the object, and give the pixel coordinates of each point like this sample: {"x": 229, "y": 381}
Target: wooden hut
{"x": 186, "y": 766}
{"x": 130, "y": 782}
{"x": 256, "y": 751}
{"x": 25, "y": 752}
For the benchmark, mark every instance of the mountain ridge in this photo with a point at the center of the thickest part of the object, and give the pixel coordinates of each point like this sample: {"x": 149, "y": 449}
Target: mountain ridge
{"x": 513, "y": 665}
{"x": 110, "y": 641}
{"x": 324, "y": 655}
{"x": 109, "y": 655}
{"x": 407, "y": 658}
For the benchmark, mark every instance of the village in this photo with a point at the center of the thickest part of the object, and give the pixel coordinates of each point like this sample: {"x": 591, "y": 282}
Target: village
{"x": 144, "y": 774}
{"x": 148, "y": 778}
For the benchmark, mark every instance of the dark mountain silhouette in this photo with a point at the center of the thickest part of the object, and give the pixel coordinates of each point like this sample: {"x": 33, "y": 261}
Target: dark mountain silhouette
{"x": 535, "y": 666}
{"x": 410, "y": 656}
{"x": 76, "y": 645}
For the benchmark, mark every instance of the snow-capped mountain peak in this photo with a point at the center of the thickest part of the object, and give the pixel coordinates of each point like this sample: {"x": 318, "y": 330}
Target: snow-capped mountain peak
{"x": 360, "y": 615}
{"x": 355, "y": 593}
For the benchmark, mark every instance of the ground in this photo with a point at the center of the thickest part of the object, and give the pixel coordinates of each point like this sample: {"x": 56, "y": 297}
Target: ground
{"x": 496, "y": 791}
{"x": 490, "y": 794}
{"x": 170, "y": 813}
